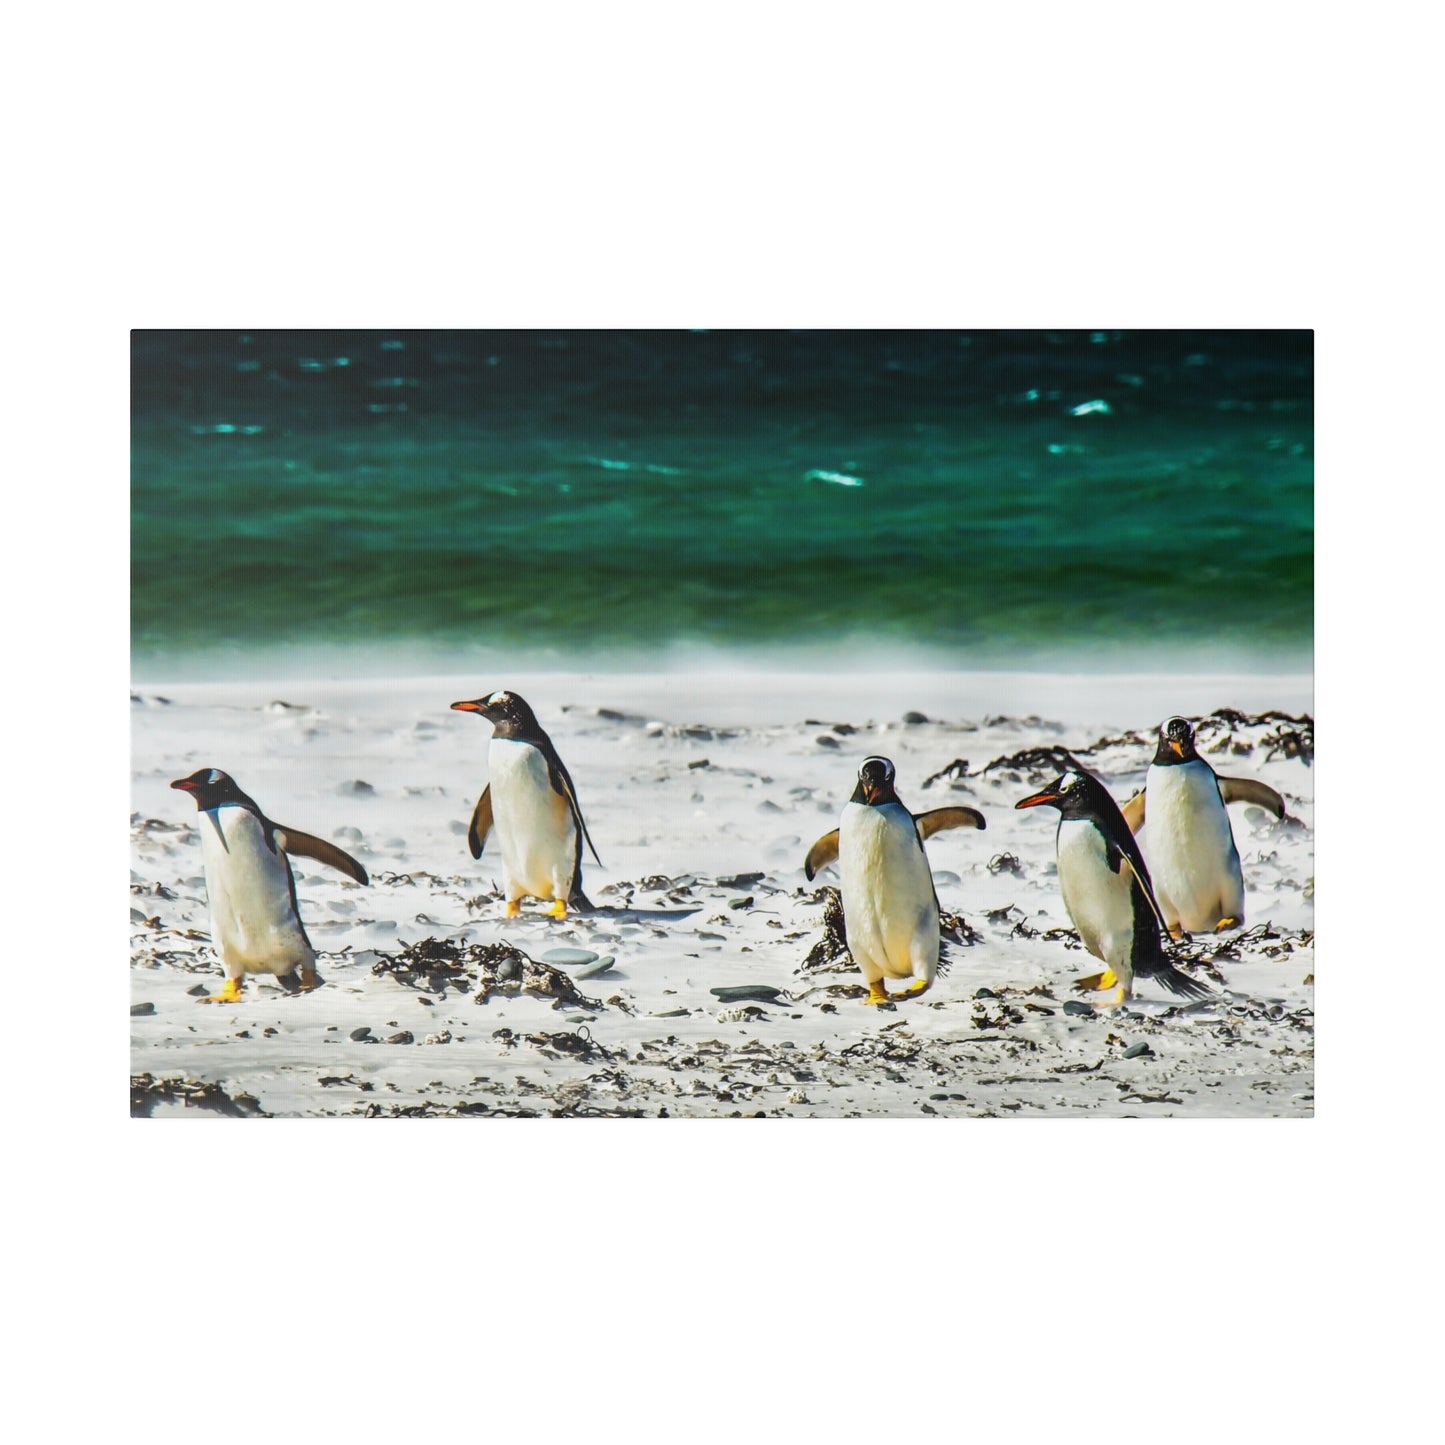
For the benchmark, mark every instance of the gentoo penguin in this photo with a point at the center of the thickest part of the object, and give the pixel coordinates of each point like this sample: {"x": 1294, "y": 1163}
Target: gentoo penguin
{"x": 1190, "y": 844}
{"x": 532, "y": 804}
{"x": 890, "y": 908}
{"x": 255, "y": 924}
{"x": 1107, "y": 890}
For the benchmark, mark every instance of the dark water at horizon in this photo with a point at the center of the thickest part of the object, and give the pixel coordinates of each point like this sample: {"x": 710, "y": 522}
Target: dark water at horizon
{"x": 993, "y": 497}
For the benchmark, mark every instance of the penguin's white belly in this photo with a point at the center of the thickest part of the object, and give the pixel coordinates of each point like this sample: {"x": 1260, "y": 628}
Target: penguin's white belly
{"x": 1189, "y": 847}
{"x": 1099, "y": 902}
{"x": 254, "y": 926}
{"x": 534, "y": 824}
{"x": 888, "y": 903}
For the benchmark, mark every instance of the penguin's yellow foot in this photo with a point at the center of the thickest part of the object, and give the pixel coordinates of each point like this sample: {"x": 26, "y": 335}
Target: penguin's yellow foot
{"x": 877, "y": 993}
{"x": 1093, "y": 981}
{"x": 919, "y": 985}
{"x": 1176, "y": 930}
{"x": 309, "y": 979}
{"x": 1226, "y": 923}
{"x": 558, "y": 909}
{"x": 514, "y": 907}
{"x": 231, "y": 993}
{"x": 1120, "y": 994}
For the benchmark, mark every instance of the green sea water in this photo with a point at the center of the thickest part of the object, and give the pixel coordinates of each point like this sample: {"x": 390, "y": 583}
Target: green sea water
{"x": 989, "y": 499}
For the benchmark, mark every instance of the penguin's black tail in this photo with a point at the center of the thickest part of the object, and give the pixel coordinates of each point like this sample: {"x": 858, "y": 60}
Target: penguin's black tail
{"x": 1177, "y": 981}
{"x": 580, "y": 903}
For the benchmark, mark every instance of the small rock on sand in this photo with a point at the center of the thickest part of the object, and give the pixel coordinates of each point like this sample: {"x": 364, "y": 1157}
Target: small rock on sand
{"x": 140, "y": 1010}
{"x": 568, "y": 955}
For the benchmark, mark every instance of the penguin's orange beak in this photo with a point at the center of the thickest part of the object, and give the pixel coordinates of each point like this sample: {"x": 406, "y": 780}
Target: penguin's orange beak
{"x": 1177, "y": 746}
{"x": 185, "y": 785}
{"x": 1035, "y": 799}
{"x": 869, "y": 791}
{"x": 477, "y": 706}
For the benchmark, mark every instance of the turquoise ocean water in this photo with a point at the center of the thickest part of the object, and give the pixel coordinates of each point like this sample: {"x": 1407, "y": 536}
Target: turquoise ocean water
{"x": 449, "y": 500}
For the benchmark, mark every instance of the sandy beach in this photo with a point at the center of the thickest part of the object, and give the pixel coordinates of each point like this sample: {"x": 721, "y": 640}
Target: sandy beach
{"x": 703, "y": 793}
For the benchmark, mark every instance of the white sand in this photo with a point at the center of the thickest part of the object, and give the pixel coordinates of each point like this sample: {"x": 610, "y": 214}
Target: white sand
{"x": 764, "y": 796}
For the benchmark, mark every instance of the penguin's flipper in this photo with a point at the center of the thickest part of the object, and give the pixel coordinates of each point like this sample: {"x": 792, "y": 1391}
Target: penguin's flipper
{"x": 1251, "y": 790}
{"x": 481, "y": 823}
{"x": 1142, "y": 881}
{"x": 562, "y": 782}
{"x": 940, "y": 818}
{"x": 822, "y": 853}
{"x": 1133, "y": 811}
{"x": 303, "y": 845}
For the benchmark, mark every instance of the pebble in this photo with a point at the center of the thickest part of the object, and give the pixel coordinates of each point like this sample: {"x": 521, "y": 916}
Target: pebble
{"x": 139, "y": 1010}
{"x": 199, "y": 991}
{"x": 361, "y": 1035}
{"x": 403, "y": 1037}
{"x": 1137, "y": 1051}
{"x": 824, "y": 741}
{"x": 747, "y": 992}
{"x": 508, "y": 969}
{"x": 673, "y": 1013}
{"x": 1077, "y": 1006}
{"x": 592, "y": 970}
{"x": 568, "y": 955}
{"x": 914, "y": 718}
{"x": 984, "y": 993}
{"x": 745, "y": 902}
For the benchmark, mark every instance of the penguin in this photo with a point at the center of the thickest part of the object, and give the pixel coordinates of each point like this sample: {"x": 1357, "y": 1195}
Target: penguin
{"x": 890, "y": 906}
{"x": 255, "y": 923}
{"x": 1107, "y": 890}
{"x": 1190, "y": 844}
{"x": 532, "y": 804}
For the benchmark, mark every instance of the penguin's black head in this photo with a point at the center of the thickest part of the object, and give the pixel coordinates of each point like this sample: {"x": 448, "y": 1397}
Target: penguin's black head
{"x": 875, "y": 783}
{"x": 210, "y": 787}
{"x": 1176, "y": 742}
{"x": 1075, "y": 794}
{"x": 506, "y": 711}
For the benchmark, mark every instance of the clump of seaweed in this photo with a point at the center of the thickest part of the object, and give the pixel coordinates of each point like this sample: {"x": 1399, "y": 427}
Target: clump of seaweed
{"x": 433, "y": 964}
{"x": 146, "y": 1092}
{"x": 957, "y": 770}
{"x": 830, "y": 953}
{"x": 1048, "y": 760}
{"x": 438, "y": 963}
{"x": 955, "y": 928}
